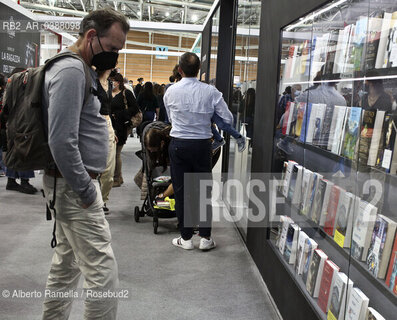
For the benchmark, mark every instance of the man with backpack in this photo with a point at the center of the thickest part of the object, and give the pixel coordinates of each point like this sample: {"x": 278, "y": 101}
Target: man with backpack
{"x": 77, "y": 138}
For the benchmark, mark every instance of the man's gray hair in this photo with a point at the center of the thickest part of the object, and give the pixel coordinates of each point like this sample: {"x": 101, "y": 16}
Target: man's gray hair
{"x": 101, "y": 20}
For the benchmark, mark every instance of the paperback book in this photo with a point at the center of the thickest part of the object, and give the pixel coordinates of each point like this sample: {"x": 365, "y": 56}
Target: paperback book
{"x": 341, "y": 289}
{"x": 325, "y": 201}
{"x": 327, "y": 282}
{"x": 391, "y": 278}
{"x": 367, "y": 129}
{"x": 344, "y": 221}
{"x": 357, "y": 305}
{"x": 310, "y": 246}
{"x": 300, "y": 253}
{"x": 329, "y": 225}
{"x": 374, "y": 315}
{"x": 315, "y": 272}
{"x": 291, "y": 243}
{"x": 351, "y": 133}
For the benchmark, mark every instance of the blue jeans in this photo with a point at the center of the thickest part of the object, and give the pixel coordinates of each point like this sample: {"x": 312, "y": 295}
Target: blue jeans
{"x": 10, "y": 173}
{"x": 222, "y": 125}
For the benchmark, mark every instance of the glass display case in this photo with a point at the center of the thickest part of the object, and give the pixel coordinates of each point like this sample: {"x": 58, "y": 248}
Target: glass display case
{"x": 335, "y": 154}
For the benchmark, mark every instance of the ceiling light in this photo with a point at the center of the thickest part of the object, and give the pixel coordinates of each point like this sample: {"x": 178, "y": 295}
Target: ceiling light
{"x": 167, "y": 14}
{"x": 194, "y": 17}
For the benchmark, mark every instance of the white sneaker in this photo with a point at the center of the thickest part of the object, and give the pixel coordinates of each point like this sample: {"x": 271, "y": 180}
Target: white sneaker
{"x": 184, "y": 244}
{"x": 241, "y": 142}
{"x": 206, "y": 244}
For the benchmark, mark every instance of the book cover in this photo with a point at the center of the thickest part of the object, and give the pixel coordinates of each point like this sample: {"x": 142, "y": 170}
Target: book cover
{"x": 376, "y": 135}
{"x": 338, "y": 55}
{"x": 331, "y": 52}
{"x": 357, "y": 305}
{"x": 341, "y": 289}
{"x": 338, "y": 120}
{"x": 283, "y": 219}
{"x": 391, "y": 47}
{"x": 283, "y": 236}
{"x": 381, "y": 246}
{"x": 313, "y": 271}
{"x": 315, "y": 123}
{"x": 318, "y": 201}
{"x": 313, "y": 191}
{"x": 326, "y": 127}
{"x": 287, "y": 177}
{"x": 324, "y": 208}
{"x": 391, "y": 278}
{"x": 310, "y": 246}
{"x": 351, "y": 133}
{"x": 343, "y": 216}
{"x": 374, "y": 315}
{"x": 327, "y": 281}
{"x": 292, "y": 182}
{"x": 299, "y": 118}
{"x": 362, "y": 230}
{"x": 386, "y": 147}
{"x": 329, "y": 225}
{"x": 360, "y": 36}
{"x": 302, "y": 137}
{"x": 295, "y": 194}
{"x": 306, "y": 184}
{"x": 373, "y": 38}
{"x": 300, "y": 252}
{"x": 288, "y": 65}
{"x": 291, "y": 243}
{"x": 367, "y": 128}
{"x": 384, "y": 34}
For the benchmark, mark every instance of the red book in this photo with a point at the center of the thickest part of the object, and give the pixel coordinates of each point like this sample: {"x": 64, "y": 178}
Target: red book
{"x": 332, "y": 209}
{"x": 391, "y": 277}
{"x": 329, "y": 273}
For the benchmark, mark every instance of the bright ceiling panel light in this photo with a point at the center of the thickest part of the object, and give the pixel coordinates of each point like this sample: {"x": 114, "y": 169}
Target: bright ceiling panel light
{"x": 194, "y": 17}
{"x": 167, "y": 14}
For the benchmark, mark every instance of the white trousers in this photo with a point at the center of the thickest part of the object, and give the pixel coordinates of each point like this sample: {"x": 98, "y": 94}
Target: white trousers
{"x": 83, "y": 247}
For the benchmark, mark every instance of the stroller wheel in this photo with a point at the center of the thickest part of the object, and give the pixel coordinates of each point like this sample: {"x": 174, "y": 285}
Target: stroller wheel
{"x": 155, "y": 225}
{"x": 137, "y": 214}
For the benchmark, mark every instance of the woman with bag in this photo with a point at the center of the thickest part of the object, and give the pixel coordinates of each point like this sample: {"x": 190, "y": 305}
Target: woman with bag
{"x": 123, "y": 110}
{"x": 147, "y": 102}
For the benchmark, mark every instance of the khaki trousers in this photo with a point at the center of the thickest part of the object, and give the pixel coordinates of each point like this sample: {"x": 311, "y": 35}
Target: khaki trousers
{"x": 107, "y": 176}
{"x": 84, "y": 247}
{"x": 118, "y": 176}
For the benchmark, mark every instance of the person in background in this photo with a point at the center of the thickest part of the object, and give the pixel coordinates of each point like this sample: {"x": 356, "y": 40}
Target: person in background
{"x": 148, "y": 103}
{"x": 190, "y": 105}
{"x": 374, "y": 96}
{"x": 128, "y": 86}
{"x": 13, "y": 175}
{"x": 123, "y": 108}
{"x": 138, "y": 87}
{"x": 78, "y": 140}
{"x": 172, "y": 81}
{"x": 104, "y": 93}
{"x": 288, "y": 97}
{"x": 159, "y": 93}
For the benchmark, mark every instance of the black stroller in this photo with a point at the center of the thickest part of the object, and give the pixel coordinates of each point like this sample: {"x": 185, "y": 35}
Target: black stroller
{"x": 157, "y": 182}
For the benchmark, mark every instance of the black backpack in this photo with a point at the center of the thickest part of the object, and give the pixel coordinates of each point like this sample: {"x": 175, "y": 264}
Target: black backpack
{"x": 27, "y": 140}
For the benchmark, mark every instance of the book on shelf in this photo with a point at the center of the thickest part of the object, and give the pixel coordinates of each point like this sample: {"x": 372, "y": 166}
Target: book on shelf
{"x": 357, "y": 305}
{"x": 293, "y": 61}
{"x": 381, "y": 246}
{"x": 319, "y": 54}
{"x": 315, "y": 123}
{"x": 330, "y": 272}
{"x": 285, "y": 222}
{"x": 384, "y": 34}
{"x": 367, "y": 128}
{"x": 344, "y": 219}
{"x": 342, "y": 49}
{"x": 294, "y": 193}
{"x": 300, "y": 252}
{"x": 306, "y": 118}
{"x": 329, "y": 224}
{"x": 326, "y": 187}
{"x": 326, "y": 127}
{"x": 310, "y": 246}
{"x": 288, "y": 116}
{"x": 391, "y": 278}
{"x": 280, "y": 187}
{"x": 352, "y": 126}
{"x": 376, "y": 135}
{"x": 301, "y": 107}
{"x": 314, "y": 187}
{"x": 372, "y": 43}
{"x": 374, "y": 315}
{"x": 331, "y": 52}
{"x": 288, "y": 64}
{"x": 390, "y": 59}
{"x": 340, "y": 290}
{"x": 306, "y": 184}
{"x": 386, "y": 154}
{"x": 287, "y": 177}
{"x": 360, "y": 36}
{"x": 315, "y": 272}
{"x": 305, "y": 59}
{"x": 337, "y": 126}
{"x": 362, "y": 230}
{"x": 291, "y": 243}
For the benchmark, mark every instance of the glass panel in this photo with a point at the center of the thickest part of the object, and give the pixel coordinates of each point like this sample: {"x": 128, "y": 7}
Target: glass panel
{"x": 243, "y": 107}
{"x": 334, "y": 149}
{"x": 214, "y": 46}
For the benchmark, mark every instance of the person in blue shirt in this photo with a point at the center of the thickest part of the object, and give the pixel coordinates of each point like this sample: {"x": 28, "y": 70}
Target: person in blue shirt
{"x": 191, "y": 105}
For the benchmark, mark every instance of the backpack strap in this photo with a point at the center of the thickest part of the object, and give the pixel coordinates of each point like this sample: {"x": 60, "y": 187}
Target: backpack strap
{"x": 87, "y": 72}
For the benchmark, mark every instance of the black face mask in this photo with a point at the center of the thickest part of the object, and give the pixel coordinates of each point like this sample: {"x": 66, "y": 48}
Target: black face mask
{"x": 104, "y": 60}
